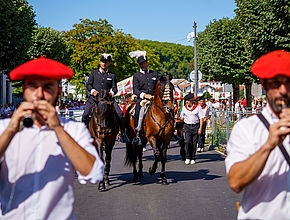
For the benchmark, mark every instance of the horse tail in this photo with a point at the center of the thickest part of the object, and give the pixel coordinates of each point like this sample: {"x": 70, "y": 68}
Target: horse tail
{"x": 131, "y": 154}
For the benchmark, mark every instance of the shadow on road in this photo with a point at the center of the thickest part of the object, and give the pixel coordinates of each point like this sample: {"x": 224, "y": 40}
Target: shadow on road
{"x": 200, "y": 157}
{"x": 119, "y": 180}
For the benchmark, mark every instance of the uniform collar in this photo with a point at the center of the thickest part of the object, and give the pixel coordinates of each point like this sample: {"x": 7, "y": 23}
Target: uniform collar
{"x": 141, "y": 71}
{"x": 101, "y": 71}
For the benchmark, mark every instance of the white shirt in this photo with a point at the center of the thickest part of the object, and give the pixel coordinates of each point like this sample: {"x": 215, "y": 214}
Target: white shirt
{"x": 143, "y": 93}
{"x": 206, "y": 111}
{"x": 37, "y": 175}
{"x": 192, "y": 116}
{"x": 217, "y": 105}
{"x": 268, "y": 197}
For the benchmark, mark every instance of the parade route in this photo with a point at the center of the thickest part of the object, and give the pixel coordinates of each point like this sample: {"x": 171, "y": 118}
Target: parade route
{"x": 198, "y": 191}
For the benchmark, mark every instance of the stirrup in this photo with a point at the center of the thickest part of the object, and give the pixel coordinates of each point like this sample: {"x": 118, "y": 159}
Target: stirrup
{"x": 124, "y": 138}
{"x": 136, "y": 140}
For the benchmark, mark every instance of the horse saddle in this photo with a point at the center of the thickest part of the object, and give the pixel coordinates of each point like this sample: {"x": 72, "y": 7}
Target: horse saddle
{"x": 132, "y": 111}
{"x": 144, "y": 103}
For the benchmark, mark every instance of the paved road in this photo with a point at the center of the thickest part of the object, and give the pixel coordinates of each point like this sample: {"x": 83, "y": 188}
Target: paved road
{"x": 198, "y": 191}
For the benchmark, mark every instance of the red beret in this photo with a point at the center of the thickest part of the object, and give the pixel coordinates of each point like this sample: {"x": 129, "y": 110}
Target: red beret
{"x": 272, "y": 64}
{"x": 42, "y": 67}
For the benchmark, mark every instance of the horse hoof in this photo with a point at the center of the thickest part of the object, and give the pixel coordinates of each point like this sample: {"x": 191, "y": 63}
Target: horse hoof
{"x": 107, "y": 183}
{"x": 151, "y": 171}
{"x": 102, "y": 187}
{"x": 135, "y": 178}
{"x": 164, "y": 181}
{"x": 141, "y": 176}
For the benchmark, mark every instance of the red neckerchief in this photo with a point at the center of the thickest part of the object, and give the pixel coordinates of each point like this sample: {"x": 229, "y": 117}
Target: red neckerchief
{"x": 193, "y": 107}
{"x": 203, "y": 106}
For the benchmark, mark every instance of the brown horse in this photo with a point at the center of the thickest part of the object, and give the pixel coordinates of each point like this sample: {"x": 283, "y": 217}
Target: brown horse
{"x": 104, "y": 128}
{"x": 158, "y": 127}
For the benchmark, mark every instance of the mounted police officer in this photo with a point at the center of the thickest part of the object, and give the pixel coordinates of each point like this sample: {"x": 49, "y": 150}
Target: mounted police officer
{"x": 103, "y": 80}
{"x": 144, "y": 83}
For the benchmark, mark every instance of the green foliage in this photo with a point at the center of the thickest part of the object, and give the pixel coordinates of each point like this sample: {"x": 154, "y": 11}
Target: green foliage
{"x": 264, "y": 25}
{"x": 207, "y": 95}
{"x": 16, "y": 27}
{"x": 221, "y": 55}
{"x": 175, "y": 59}
{"x": 50, "y": 43}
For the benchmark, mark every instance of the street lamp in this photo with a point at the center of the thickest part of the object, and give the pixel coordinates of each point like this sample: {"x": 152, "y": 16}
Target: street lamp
{"x": 189, "y": 36}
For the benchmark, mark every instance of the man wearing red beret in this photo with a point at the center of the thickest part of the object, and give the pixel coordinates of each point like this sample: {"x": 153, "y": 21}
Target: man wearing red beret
{"x": 258, "y": 150}
{"x": 38, "y": 161}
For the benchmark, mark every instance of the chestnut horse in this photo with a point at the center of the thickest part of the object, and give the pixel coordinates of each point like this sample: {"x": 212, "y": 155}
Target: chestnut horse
{"x": 104, "y": 128}
{"x": 158, "y": 127}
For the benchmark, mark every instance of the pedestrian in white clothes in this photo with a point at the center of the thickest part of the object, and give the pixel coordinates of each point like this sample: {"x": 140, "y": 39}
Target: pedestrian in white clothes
{"x": 192, "y": 115}
{"x": 257, "y": 163}
{"x": 38, "y": 162}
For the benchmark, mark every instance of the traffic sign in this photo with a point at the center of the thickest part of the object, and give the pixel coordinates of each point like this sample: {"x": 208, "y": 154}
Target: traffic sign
{"x": 192, "y": 75}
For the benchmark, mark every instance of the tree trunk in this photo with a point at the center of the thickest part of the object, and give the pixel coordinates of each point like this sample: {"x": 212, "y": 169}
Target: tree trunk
{"x": 249, "y": 95}
{"x": 236, "y": 93}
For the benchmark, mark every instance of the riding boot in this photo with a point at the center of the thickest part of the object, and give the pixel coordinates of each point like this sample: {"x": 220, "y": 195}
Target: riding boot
{"x": 123, "y": 137}
{"x": 137, "y": 139}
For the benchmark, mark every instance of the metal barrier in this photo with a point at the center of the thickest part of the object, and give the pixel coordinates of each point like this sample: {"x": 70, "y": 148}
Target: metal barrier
{"x": 72, "y": 114}
{"x": 221, "y": 125}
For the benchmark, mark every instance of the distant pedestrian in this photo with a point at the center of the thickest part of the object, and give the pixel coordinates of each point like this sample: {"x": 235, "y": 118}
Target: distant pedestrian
{"x": 206, "y": 112}
{"x": 192, "y": 115}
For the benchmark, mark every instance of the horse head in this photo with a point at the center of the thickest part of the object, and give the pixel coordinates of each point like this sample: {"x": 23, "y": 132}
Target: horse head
{"x": 166, "y": 93}
{"x": 103, "y": 113}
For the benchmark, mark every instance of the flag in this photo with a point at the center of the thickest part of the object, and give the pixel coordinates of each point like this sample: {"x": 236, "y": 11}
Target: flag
{"x": 128, "y": 87}
{"x": 178, "y": 92}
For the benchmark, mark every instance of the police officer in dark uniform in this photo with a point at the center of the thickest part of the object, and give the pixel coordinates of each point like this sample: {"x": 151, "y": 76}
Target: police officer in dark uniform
{"x": 144, "y": 83}
{"x": 103, "y": 80}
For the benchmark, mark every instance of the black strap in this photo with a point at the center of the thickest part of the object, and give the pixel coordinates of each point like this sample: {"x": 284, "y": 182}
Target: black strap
{"x": 281, "y": 146}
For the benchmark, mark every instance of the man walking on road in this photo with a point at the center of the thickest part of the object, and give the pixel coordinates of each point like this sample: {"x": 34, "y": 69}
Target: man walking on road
{"x": 192, "y": 115}
{"x": 37, "y": 162}
{"x": 258, "y": 159}
{"x": 207, "y": 115}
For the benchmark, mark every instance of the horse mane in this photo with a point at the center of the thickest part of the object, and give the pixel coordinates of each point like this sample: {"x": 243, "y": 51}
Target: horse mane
{"x": 160, "y": 87}
{"x": 102, "y": 107}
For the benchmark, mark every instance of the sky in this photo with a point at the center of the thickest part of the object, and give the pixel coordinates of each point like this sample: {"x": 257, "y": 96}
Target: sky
{"x": 156, "y": 20}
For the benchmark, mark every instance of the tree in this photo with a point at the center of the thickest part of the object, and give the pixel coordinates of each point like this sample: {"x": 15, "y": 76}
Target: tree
{"x": 175, "y": 59}
{"x": 16, "y": 27}
{"x": 221, "y": 55}
{"x": 264, "y": 26}
{"x": 50, "y": 43}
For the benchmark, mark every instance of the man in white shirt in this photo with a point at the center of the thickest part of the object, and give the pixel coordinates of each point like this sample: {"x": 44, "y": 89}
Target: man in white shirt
{"x": 255, "y": 163}
{"x": 38, "y": 161}
{"x": 192, "y": 115}
{"x": 207, "y": 115}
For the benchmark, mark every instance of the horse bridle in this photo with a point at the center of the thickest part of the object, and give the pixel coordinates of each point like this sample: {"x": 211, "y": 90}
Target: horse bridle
{"x": 161, "y": 128}
{"x": 100, "y": 130}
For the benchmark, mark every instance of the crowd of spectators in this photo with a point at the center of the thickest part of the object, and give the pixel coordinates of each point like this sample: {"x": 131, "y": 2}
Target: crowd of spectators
{"x": 7, "y": 110}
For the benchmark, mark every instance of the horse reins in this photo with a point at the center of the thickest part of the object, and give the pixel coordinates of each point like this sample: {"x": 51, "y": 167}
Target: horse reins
{"x": 161, "y": 128}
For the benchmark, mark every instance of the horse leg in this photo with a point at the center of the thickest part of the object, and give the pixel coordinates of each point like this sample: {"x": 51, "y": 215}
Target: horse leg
{"x": 140, "y": 157}
{"x": 163, "y": 162}
{"x": 101, "y": 150}
{"x": 108, "y": 158}
{"x": 135, "y": 173}
{"x": 156, "y": 153}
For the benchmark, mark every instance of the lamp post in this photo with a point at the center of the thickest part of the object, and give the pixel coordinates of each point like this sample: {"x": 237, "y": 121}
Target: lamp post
{"x": 189, "y": 36}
